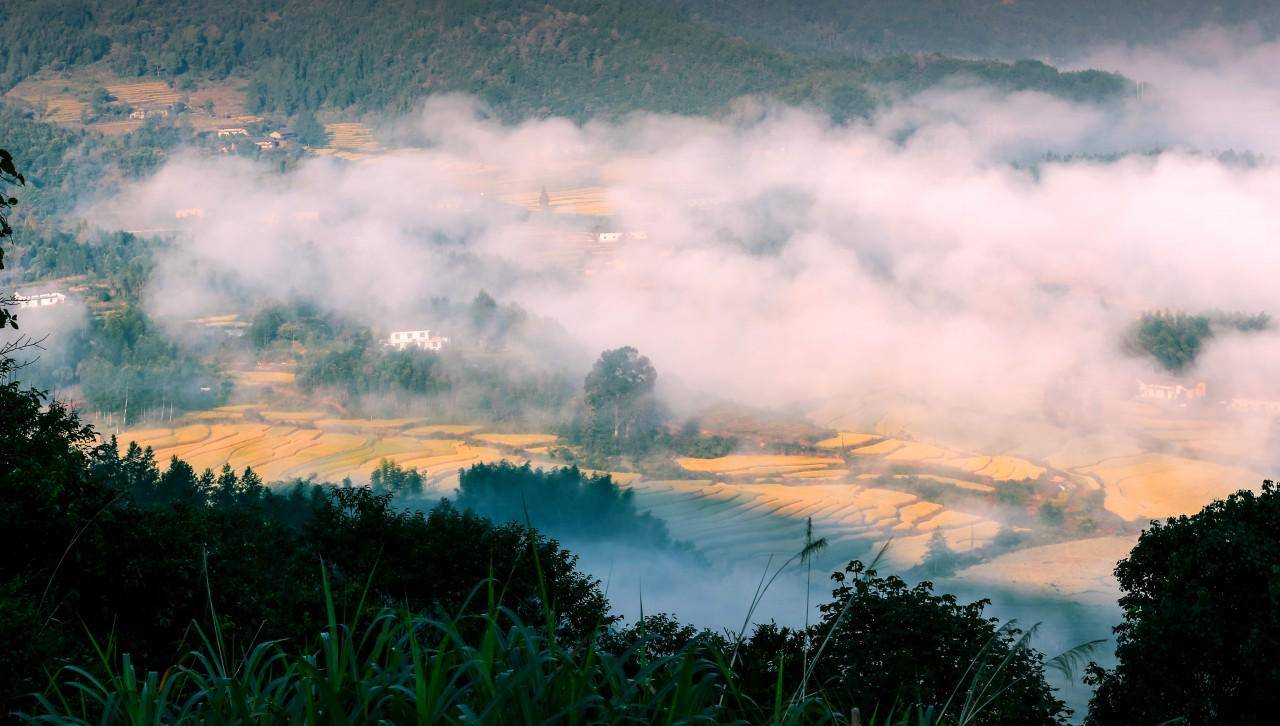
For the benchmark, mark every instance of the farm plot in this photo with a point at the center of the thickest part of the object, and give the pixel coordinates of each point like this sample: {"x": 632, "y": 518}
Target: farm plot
{"x": 144, "y": 93}
{"x": 728, "y": 520}
{"x": 280, "y": 451}
{"x": 1080, "y": 570}
{"x": 1147, "y": 486}
{"x": 752, "y": 465}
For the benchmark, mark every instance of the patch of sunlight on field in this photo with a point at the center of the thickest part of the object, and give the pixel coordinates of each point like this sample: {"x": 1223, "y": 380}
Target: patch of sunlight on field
{"x": 1147, "y": 486}
{"x": 846, "y": 440}
{"x": 1082, "y": 569}
{"x": 746, "y": 464}
{"x": 516, "y": 440}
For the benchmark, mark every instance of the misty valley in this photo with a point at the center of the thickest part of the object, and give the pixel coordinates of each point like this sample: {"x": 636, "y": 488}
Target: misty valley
{"x": 681, "y": 361}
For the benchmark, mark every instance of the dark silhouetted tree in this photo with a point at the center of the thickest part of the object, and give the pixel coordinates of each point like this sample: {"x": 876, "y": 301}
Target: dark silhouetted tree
{"x": 1201, "y": 629}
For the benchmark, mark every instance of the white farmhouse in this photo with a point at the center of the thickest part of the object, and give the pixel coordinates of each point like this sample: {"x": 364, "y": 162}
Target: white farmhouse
{"x": 42, "y": 300}
{"x": 420, "y": 339}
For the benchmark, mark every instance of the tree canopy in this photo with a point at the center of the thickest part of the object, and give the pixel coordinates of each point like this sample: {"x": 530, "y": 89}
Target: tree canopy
{"x": 1201, "y": 623}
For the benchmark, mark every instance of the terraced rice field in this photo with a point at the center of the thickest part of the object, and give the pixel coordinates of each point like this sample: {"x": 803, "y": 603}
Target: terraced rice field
{"x": 55, "y": 96}
{"x": 1080, "y": 570}
{"x": 730, "y": 520}
{"x": 281, "y": 451}
{"x": 351, "y": 136}
{"x": 750, "y": 465}
{"x": 263, "y": 378}
{"x": 144, "y": 93}
{"x": 903, "y": 451}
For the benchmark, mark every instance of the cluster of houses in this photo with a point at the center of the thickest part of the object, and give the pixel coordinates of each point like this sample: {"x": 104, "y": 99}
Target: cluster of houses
{"x": 236, "y": 135}
{"x": 420, "y": 339}
{"x": 42, "y": 300}
{"x": 1171, "y": 391}
{"x": 1174, "y": 392}
{"x": 145, "y": 113}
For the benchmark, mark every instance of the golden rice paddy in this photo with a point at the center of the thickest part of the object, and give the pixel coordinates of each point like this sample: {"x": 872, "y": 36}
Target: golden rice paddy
{"x": 746, "y": 464}
{"x": 329, "y": 449}
{"x": 1081, "y": 569}
{"x": 1147, "y": 486}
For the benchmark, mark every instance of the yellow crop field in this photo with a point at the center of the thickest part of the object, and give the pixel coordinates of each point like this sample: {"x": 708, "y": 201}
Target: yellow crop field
{"x": 1147, "y": 486}
{"x": 812, "y": 474}
{"x": 951, "y": 481}
{"x": 881, "y": 448}
{"x": 755, "y": 464}
{"x": 1081, "y": 569}
{"x": 516, "y": 440}
{"x": 350, "y": 136}
{"x": 144, "y": 93}
{"x": 999, "y": 468}
{"x": 915, "y": 451}
{"x": 846, "y": 440}
{"x": 263, "y": 378}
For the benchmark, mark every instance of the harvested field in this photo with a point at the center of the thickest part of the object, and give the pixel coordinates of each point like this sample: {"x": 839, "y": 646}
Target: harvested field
{"x": 144, "y": 93}
{"x": 1147, "y": 486}
{"x": 746, "y": 464}
{"x": 263, "y": 378}
{"x": 349, "y": 136}
{"x": 1080, "y": 570}
{"x": 745, "y": 520}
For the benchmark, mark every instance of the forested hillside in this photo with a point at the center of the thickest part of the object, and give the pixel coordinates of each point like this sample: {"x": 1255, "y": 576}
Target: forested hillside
{"x": 525, "y": 58}
{"x": 972, "y": 28}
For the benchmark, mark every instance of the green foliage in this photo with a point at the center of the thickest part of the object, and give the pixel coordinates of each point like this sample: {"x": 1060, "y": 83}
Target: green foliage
{"x": 622, "y": 414}
{"x": 394, "y": 479}
{"x": 1175, "y": 339}
{"x": 105, "y": 543}
{"x": 1201, "y": 619}
{"x": 939, "y": 559}
{"x": 883, "y": 643}
{"x": 564, "y": 503}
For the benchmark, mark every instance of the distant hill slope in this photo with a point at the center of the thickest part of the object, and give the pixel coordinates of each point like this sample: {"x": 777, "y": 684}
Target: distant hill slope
{"x": 526, "y": 58}
{"x": 972, "y": 28}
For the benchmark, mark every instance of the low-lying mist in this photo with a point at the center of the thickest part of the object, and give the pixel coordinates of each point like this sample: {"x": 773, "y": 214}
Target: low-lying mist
{"x": 975, "y": 251}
